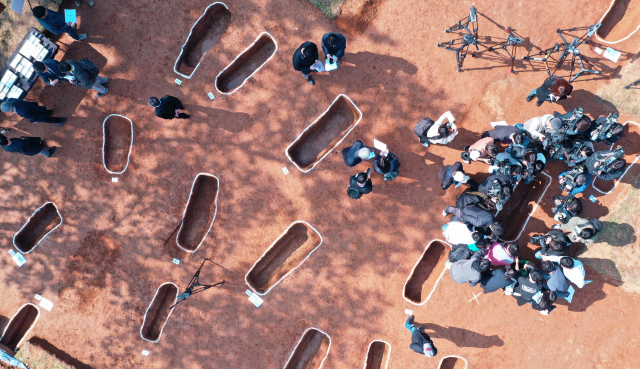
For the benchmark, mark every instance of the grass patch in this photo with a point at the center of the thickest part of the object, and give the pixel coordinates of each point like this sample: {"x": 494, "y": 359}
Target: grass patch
{"x": 330, "y": 8}
{"x": 625, "y": 100}
{"x": 37, "y": 358}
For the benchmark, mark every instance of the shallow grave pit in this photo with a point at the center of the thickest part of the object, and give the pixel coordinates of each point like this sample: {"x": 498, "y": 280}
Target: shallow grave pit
{"x": 378, "y": 355}
{"x": 158, "y": 312}
{"x": 246, "y": 64}
{"x": 620, "y": 22}
{"x": 19, "y": 326}
{"x": 43, "y": 221}
{"x": 311, "y": 351}
{"x": 199, "y": 213}
{"x": 205, "y": 34}
{"x": 117, "y": 142}
{"x": 453, "y": 362}
{"x": 324, "y": 134}
{"x": 523, "y": 202}
{"x": 426, "y": 273}
{"x": 286, "y": 254}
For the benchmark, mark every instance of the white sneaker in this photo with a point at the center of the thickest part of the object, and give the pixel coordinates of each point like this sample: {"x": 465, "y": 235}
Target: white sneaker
{"x": 544, "y": 312}
{"x": 508, "y": 291}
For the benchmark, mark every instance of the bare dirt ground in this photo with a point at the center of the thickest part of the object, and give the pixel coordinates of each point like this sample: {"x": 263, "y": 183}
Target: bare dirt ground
{"x": 101, "y": 268}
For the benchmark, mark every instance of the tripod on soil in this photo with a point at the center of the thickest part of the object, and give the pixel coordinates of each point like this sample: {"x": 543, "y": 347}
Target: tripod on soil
{"x": 195, "y": 286}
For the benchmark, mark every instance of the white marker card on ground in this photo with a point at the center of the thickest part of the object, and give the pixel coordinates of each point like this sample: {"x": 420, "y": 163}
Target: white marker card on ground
{"x": 379, "y": 145}
{"x": 593, "y": 198}
{"x": 114, "y": 179}
{"x": 408, "y": 312}
{"x": 38, "y": 297}
{"x": 500, "y": 123}
{"x": 17, "y": 257}
{"x": 46, "y": 304}
{"x": 178, "y": 82}
{"x": 211, "y": 97}
{"x": 285, "y": 170}
{"x": 176, "y": 261}
{"x": 612, "y": 54}
{"x": 598, "y": 50}
{"x": 145, "y": 352}
{"x": 254, "y": 298}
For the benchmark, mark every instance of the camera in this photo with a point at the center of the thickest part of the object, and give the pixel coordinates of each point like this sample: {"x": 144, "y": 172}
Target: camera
{"x": 538, "y": 239}
{"x": 604, "y": 130}
{"x": 617, "y": 154}
{"x": 570, "y": 120}
{"x": 571, "y": 178}
{"x": 561, "y": 211}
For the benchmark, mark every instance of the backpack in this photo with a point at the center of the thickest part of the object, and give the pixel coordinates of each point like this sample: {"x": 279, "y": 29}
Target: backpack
{"x": 459, "y": 252}
{"x": 421, "y": 129}
{"x": 84, "y": 71}
{"x": 596, "y": 225}
{"x": 353, "y": 193}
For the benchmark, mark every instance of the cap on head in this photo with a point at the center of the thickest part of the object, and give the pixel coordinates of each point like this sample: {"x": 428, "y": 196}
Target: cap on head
{"x": 6, "y": 106}
{"x": 556, "y": 123}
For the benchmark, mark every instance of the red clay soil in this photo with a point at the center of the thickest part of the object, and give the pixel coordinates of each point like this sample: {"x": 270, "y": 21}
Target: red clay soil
{"x": 310, "y": 352}
{"x": 19, "y": 326}
{"x": 117, "y": 132}
{"x": 378, "y": 355}
{"x": 352, "y": 287}
{"x": 199, "y": 213}
{"x": 324, "y": 133}
{"x": 158, "y": 313}
{"x": 621, "y": 21}
{"x": 453, "y": 363}
{"x": 42, "y": 221}
{"x": 426, "y": 273}
{"x": 516, "y": 210}
{"x": 286, "y": 254}
{"x": 246, "y": 64}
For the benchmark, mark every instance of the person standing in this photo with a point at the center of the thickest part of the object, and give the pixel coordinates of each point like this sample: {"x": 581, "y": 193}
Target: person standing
{"x": 556, "y": 280}
{"x": 553, "y": 89}
{"x": 31, "y": 110}
{"x": 29, "y": 146}
{"x": 53, "y": 22}
{"x": 84, "y": 73}
{"x": 333, "y": 45}
{"x": 168, "y": 107}
{"x": 305, "y": 60}
{"x": 357, "y": 153}
{"x": 387, "y": 164}
{"x": 420, "y": 341}
{"x": 48, "y": 71}
{"x": 360, "y": 184}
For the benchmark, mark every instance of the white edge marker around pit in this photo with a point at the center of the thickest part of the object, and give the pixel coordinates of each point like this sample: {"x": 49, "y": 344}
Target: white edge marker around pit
{"x": 104, "y": 143}
{"x": 366, "y": 358}
{"x": 187, "y": 40}
{"x": 215, "y": 212}
{"x": 444, "y": 269}
{"x": 600, "y": 21}
{"x": 255, "y": 71}
{"x": 466, "y": 363}
{"x": 145, "y": 352}
{"x": 270, "y": 247}
{"x": 617, "y": 180}
{"x": 46, "y": 234}
{"x": 30, "y": 328}
{"x": 166, "y": 320}
{"x": 300, "y": 340}
{"x": 534, "y": 207}
{"x": 286, "y": 151}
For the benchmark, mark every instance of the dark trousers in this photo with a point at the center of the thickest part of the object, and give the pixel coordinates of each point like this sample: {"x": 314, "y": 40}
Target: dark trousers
{"x": 47, "y": 118}
{"x": 183, "y": 116}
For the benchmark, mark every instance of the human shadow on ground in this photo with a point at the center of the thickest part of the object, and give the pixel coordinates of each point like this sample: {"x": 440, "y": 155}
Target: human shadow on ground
{"x": 582, "y": 98}
{"x": 461, "y": 337}
{"x": 218, "y": 118}
{"x": 59, "y": 354}
{"x": 590, "y": 293}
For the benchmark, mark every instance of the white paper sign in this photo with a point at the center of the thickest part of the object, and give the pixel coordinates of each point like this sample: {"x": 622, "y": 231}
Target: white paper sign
{"x": 46, "y": 304}
{"x": 408, "y": 312}
{"x": 254, "y": 298}
{"x": 176, "y": 261}
{"x": 285, "y": 170}
{"x": 178, "y": 82}
{"x": 210, "y": 94}
{"x": 38, "y": 297}
{"x": 70, "y": 16}
{"x": 145, "y": 352}
{"x": 114, "y": 179}
{"x": 328, "y": 66}
{"x": 379, "y": 145}
{"x": 612, "y": 54}
{"x": 598, "y": 50}
{"x": 17, "y": 257}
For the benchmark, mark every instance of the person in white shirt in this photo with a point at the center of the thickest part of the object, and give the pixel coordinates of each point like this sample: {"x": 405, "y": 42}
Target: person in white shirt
{"x": 573, "y": 269}
{"x": 457, "y": 233}
{"x": 439, "y": 133}
{"x": 537, "y": 127}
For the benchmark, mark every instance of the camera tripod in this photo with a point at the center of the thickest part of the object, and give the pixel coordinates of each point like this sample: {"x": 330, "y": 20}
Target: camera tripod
{"x": 569, "y": 48}
{"x": 195, "y": 286}
{"x": 461, "y": 46}
{"x": 634, "y": 83}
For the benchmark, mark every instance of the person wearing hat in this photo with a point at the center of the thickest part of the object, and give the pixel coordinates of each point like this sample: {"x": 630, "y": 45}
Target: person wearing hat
{"x": 357, "y": 153}
{"x": 360, "y": 184}
{"x": 305, "y": 60}
{"x": 538, "y": 127}
{"x": 30, "y": 110}
{"x": 553, "y": 89}
{"x": 420, "y": 341}
{"x": 454, "y": 174}
{"x": 333, "y": 45}
{"x": 29, "y": 146}
{"x": 53, "y": 22}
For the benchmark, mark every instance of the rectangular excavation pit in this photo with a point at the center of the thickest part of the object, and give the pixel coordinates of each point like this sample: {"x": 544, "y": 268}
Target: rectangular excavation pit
{"x": 42, "y": 222}
{"x": 378, "y": 355}
{"x": 117, "y": 142}
{"x": 424, "y": 277}
{"x": 286, "y": 254}
{"x": 204, "y": 34}
{"x": 158, "y": 312}
{"x": 521, "y": 205}
{"x": 245, "y": 65}
{"x": 19, "y": 326}
{"x": 620, "y": 22}
{"x": 311, "y": 351}
{"x": 200, "y": 212}
{"x": 453, "y": 362}
{"x": 324, "y": 134}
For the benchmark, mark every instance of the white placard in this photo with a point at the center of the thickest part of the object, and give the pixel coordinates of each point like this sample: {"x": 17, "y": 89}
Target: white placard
{"x": 210, "y": 94}
{"x": 598, "y": 50}
{"x": 254, "y": 298}
{"x": 46, "y": 304}
{"x": 500, "y": 123}
{"x": 114, "y": 179}
{"x": 145, "y": 352}
{"x": 285, "y": 170}
{"x": 178, "y": 82}
{"x": 38, "y": 297}
{"x": 612, "y": 54}
{"x": 176, "y": 261}
{"x": 379, "y": 145}
{"x": 17, "y": 257}
{"x": 408, "y": 312}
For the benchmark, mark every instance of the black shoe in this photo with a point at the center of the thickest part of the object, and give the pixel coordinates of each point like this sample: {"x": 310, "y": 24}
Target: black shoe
{"x": 538, "y": 103}
{"x": 51, "y": 151}
{"x": 530, "y": 97}
{"x": 61, "y": 123}
{"x": 311, "y": 81}
{"x": 410, "y": 319}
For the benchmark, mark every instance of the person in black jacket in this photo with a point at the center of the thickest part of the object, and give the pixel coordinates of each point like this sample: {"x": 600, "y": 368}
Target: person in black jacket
{"x": 595, "y": 162}
{"x": 360, "y": 184}
{"x": 554, "y": 243}
{"x": 357, "y": 153}
{"x": 387, "y": 164}
{"x": 454, "y": 174}
{"x": 546, "y": 303}
{"x": 81, "y": 75}
{"x": 305, "y": 60}
{"x": 553, "y": 89}
{"x": 168, "y": 107}
{"x": 420, "y": 341}
{"x": 30, "y": 110}
{"x": 48, "y": 71}
{"x": 333, "y": 45}
{"x": 29, "y": 146}
{"x": 566, "y": 208}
